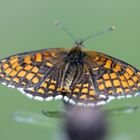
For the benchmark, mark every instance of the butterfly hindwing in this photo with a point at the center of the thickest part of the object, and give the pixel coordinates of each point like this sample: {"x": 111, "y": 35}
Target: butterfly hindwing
{"x": 49, "y": 87}
{"x": 83, "y": 92}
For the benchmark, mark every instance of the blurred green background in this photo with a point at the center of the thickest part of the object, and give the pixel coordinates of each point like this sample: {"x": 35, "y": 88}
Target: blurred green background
{"x": 28, "y": 25}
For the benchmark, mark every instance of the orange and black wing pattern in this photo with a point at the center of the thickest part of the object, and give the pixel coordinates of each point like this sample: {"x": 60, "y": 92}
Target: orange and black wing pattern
{"x": 83, "y": 92}
{"x": 33, "y": 72}
{"x": 90, "y": 79}
{"x": 112, "y": 78}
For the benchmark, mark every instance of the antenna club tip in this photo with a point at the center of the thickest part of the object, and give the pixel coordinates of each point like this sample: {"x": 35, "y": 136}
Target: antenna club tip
{"x": 113, "y": 28}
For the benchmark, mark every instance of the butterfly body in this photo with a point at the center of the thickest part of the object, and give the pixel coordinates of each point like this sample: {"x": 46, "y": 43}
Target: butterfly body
{"x": 75, "y": 75}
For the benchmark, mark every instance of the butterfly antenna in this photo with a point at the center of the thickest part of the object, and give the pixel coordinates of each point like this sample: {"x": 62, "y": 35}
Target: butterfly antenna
{"x": 99, "y": 33}
{"x": 60, "y": 25}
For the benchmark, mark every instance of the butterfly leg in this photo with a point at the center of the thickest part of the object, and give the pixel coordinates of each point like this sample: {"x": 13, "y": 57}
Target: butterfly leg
{"x": 53, "y": 114}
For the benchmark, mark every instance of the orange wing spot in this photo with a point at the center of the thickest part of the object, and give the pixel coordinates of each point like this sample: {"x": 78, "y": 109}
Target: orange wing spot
{"x": 135, "y": 78}
{"x": 91, "y": 87}
{"x": 52, "y": 87}
{"x": 108, "y": 84}
{"x": 85, "y": 90}
{"x": 100, "y": 62}
{"x": 7, "y": 78}
{"x": 65, "y": 90}
{"x": 97, "y": 58}
{"x": 97, "y": 68}
{"x": 3, "y": 61}
{"x": 78, "y": 85}
{"x": 127, "y": 76}
{"x": 108, "y": 64}
{"x": 35, "y": 70}
{"x": 41, "y": 91}
{"x": 14, "y": 57}
{"x": 116, "y": 83}
{"x": 50, "y": 92}
{"x": 119, "y": 90}
{"x": 49, "y": 64}
{"x": 13, "y": 73}
{"x": 40, "y": 75}
{"x": 127, "y": 90}
{"x": 5, "y": 66}
{"x": 134, "y": 89}
{"x": 110, "y": 91}
{"x": 32, "y": 90}
{"x": 7, "y": 71}
{"x": 16, "y": 80}
{"x": 35, "y": 80}
{"x": 28, "y": 67}
{"x": 18, "y": 68}
{"x": 44, "y": 85}
{"x": 106, "y": 76}
{"x": 74, "y": 95}
{"x": 131, "y": 83}
{"x": 124, "y": 84}
{"x": 83, "y": 97}
{"x": 91, "y": 98}
{"x": 101, "y": 87}
{"x": 53, "y": 82}
{"x": 29, "y": 76}
{"x": 15, "y": 65}
{"x": 48, "y": 79}
{"x": 23, "y": 83}
{"x": 27, "y": 59}
{"x": 117, "y": 68}
{"x": 91, "y": 93}
{"x": 47, "y": 56}
{"x": 53, "y": 54}
{"x": 85, "y": 85}
{"x": 38, "y": 57}
{"x": 99, "y": 81}
{"x": 22, "y": 73}
{"x": 13, "y": 60}
{"x": 130, "y": 71}
{"x": 113, "y": 75}
{"x": 122, "y": 77}
{"x": 103, "y": 58}
{"x": 138, "y": 84}
{"x": 59, "y": 89}
{"x": 138, "y": 73}
{"x": 76, "y": 90}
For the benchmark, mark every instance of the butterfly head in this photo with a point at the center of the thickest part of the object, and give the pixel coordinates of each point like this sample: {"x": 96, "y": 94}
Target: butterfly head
{"x": 79, "y": 43}
{"x": 76, "y": 53}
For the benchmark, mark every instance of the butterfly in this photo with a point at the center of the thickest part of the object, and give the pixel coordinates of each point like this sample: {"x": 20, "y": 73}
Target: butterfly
{"x": 76, "y": 75}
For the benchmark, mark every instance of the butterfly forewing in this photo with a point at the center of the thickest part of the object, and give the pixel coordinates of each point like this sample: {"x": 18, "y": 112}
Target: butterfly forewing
{"x": 32, "y": 69}
{"x": 113, "y": 77}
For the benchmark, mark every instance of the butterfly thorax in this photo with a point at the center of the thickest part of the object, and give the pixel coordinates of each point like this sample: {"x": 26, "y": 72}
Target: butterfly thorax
{"x": 76, "y": 55}
{"x": 74, "y": 66}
